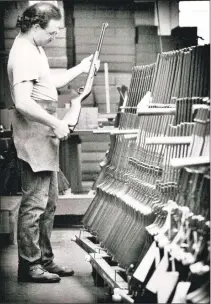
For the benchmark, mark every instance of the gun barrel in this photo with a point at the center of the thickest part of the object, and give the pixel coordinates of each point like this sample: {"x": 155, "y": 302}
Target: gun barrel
{"x": 104, "y": 26}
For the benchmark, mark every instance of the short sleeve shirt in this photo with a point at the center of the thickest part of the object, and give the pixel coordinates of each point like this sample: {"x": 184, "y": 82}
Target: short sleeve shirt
{"x": 33, "y": 141}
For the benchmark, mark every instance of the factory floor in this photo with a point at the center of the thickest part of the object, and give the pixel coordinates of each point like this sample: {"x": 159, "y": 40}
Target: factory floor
{"x": 77, "y": 289}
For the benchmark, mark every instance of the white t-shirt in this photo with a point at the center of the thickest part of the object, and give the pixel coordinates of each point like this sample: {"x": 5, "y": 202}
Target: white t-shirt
{"x": 28, "y": 62}
{"x": 33, "y": 140}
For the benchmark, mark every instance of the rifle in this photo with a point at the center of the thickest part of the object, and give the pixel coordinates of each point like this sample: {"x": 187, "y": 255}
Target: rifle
{"x": 107, "y": 159}
{"x": 73, "y": 113}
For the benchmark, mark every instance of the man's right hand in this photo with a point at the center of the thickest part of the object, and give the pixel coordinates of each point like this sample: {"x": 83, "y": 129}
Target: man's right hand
{"x": 61, "y": 130}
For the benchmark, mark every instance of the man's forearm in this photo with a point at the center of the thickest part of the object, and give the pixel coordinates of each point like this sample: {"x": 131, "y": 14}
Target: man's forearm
{"x": 63, "y": 79}
{"x": 33, "y": 111}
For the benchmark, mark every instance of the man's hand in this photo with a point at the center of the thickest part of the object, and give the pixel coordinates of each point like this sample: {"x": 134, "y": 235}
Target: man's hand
{"x": 97, "y": 65}
{"x": 86, "y": 63}
{"x": 61, "y": 130}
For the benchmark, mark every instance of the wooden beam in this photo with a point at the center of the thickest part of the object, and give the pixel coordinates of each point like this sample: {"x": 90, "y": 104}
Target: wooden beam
{"x": 169, "y": 140}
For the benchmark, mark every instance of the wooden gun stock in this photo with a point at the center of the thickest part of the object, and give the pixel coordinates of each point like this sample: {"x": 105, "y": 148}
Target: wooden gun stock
{"x": 73, "y": 114}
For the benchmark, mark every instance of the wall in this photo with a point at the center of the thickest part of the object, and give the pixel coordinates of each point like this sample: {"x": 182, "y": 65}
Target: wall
{"x": 118, "y": 48}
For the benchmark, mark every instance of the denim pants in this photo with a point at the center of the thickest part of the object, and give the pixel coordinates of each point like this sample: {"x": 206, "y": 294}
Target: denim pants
{"x": 36, "y": 215}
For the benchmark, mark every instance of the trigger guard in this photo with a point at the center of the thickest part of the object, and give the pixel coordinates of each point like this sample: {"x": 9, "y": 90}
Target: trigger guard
{"x": 71, "y": 128}
{"x": 80, "y": 90}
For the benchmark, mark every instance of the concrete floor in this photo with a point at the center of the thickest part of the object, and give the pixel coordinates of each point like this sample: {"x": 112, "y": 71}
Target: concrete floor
{"x": 77, "y": 289}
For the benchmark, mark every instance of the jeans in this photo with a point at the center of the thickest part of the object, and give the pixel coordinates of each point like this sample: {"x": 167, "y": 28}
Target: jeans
{"x": 36, "y": 215}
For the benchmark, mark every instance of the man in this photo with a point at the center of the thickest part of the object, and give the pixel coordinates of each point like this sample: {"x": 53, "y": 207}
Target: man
{"x": 37, "y": 133}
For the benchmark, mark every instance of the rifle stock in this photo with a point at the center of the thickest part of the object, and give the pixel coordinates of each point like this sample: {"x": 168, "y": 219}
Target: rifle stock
{"x": 72, "y": 116}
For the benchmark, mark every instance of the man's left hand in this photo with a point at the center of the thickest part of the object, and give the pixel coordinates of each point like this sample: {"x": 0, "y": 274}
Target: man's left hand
{"x": 86, "y": 63}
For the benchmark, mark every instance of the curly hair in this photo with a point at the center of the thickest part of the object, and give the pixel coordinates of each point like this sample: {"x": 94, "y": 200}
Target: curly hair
{"x": 39, "y": 13}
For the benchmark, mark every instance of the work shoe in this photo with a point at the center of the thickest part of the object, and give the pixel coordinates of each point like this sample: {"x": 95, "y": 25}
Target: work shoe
{"x": 37, "y": 274}
{"x": 62, "y": 271}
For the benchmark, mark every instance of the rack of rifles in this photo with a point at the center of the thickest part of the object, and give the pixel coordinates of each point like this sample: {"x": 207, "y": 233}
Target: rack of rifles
{"x": 146, "y": 231}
